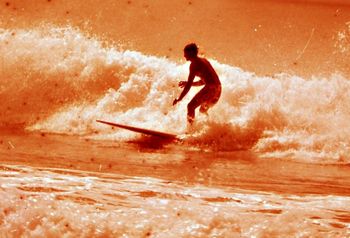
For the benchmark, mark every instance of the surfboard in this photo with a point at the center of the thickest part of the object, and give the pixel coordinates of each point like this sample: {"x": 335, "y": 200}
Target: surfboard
{"x": 163, "y": 135}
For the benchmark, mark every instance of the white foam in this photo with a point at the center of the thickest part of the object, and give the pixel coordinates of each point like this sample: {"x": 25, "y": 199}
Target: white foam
{"x": 61, "y": 81}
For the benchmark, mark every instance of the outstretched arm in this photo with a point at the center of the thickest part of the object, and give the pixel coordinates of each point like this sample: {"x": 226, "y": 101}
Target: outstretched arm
{"x": 187, "y": 87}
{"x": 198, "y": 83}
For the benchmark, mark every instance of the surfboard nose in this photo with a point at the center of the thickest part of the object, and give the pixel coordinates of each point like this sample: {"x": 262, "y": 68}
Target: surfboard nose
{"x": 142, "y": 130}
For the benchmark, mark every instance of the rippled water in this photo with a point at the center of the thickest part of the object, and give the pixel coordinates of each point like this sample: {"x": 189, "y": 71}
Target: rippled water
{"x": 126, "y": 190}
{"x": 271, "y": 160}
{"x": 73, "y": 203}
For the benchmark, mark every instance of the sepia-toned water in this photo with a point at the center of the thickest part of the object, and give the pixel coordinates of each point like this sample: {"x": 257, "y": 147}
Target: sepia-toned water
{"x": 270, "y": 160}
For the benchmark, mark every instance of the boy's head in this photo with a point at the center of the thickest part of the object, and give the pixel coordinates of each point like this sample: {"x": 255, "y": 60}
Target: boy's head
{"x": 190, "y": 51}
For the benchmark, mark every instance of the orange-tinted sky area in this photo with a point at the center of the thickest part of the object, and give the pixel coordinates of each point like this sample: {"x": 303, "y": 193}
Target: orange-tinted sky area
{"x": 261, "y": 36}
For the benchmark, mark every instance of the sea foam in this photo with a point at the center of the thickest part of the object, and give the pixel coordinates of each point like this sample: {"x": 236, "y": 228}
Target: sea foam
{"x": 61, "y": 80}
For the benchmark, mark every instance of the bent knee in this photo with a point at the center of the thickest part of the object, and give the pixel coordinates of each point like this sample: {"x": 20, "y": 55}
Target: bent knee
{"x": 204, "y": 108}
{"x": 192, "y": 105}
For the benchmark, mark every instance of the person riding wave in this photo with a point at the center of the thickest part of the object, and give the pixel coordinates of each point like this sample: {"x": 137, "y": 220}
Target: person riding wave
{"x": 209, "y": 95}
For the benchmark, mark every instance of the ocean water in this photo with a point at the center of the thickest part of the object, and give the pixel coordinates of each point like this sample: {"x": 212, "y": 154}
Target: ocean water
{"x": 56, "y": 81}
{"x": 59, "y": 80}
{"x": 66, "y": 203}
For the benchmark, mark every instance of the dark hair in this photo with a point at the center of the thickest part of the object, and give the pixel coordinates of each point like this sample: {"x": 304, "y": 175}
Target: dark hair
{"x": 192, "y": 49}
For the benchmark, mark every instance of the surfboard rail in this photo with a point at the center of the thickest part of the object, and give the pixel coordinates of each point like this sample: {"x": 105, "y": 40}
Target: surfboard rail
{"x": 141, "y": 130}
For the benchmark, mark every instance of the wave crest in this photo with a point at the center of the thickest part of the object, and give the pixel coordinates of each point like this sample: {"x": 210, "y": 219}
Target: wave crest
{"x": 60, "y": 80}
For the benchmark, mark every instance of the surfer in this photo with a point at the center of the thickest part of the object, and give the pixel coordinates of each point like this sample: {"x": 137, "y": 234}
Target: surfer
{"x": 209, "y": 95}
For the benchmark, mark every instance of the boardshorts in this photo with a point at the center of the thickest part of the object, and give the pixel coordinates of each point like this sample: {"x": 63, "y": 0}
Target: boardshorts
{"x": 205, "y": 98}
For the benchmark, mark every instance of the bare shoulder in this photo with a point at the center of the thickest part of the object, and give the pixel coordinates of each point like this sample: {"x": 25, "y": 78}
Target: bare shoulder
{"x": 194, "y": 65}
{"x": 205, "y": 61}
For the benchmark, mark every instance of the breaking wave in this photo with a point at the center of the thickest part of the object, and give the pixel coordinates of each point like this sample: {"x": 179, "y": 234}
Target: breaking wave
{"x": 60, "y": 80}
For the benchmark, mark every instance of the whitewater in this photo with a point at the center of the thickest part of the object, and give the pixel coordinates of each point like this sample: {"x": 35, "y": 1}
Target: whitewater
{"x": 59, "y": 80}
{"x": 270, "y": 160}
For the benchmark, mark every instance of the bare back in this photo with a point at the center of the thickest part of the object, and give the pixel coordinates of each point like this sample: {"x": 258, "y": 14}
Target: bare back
{"x": 202, "y": 68}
